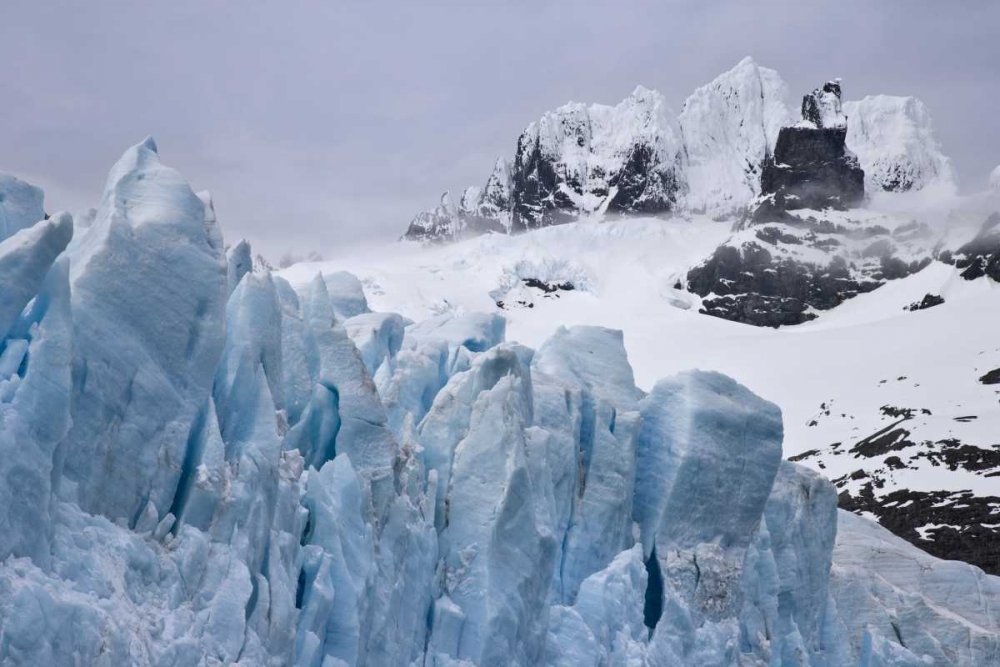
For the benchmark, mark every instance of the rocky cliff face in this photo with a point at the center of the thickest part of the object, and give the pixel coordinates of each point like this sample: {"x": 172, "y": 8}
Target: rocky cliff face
{"x": 580, "y": 160}
{"x": 980, "y": 256}
{"x": 801, "y": 249}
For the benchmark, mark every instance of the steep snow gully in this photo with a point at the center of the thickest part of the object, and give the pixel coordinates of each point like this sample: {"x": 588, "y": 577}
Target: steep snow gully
{"x": 202, "y": 465}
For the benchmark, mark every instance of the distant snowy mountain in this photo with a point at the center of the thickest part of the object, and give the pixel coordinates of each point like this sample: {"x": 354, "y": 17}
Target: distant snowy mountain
{"x": 206, "y": 463}
{"x": 639, "y": 158}
{"x": 730, "y": 126}
{"x": 895, "y": 143}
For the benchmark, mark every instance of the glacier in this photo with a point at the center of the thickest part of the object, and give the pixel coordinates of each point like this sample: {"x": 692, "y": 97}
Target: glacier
{"x": 204, "y": 464}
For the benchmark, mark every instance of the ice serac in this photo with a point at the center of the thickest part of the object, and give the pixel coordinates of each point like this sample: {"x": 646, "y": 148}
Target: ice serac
{"x": 708, "y": 453}
{"x": 604, "y": 626}
{"x": 239, "y": 262}
{"x": 150, "y": 258}
{"x": 730, "y": 127}
{"x": 591, "y": 440}
{"x": 496, "y": 543}
{"x": 25, "y": 259}
{"x": 788, "y": 617}
{"x": 347, "y": 294}
{"x": 432, "y": 351}
{"x": 378, "y": 337}
{"x": 20, "y": 205}
{"x": 894, "y": 140}
{"x": 343, "y": 413}
{"x": 945, "y": 610}
{"x": 35, "y": 349}
{"x": 448, "y": 420}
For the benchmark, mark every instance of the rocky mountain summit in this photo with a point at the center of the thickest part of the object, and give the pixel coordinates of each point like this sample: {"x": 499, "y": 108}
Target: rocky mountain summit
{"x": 639, "y": 158}
{"x": 811, "y": 167}
{"x": 749, "y": 279}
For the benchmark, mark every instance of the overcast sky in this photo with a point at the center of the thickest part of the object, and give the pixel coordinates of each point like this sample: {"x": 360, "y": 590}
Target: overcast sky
{"x": 319, "y": 124}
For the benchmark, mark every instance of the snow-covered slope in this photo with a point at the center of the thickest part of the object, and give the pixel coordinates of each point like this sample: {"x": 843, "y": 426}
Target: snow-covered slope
{"x": 729, "y": 126}
{"x": 894, "y": 140}
{"x": 204, "y": 463}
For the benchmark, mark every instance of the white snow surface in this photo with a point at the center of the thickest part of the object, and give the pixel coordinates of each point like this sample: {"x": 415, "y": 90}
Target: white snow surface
{"x": 729, "y": 126}
{"x": 894, "y": 140}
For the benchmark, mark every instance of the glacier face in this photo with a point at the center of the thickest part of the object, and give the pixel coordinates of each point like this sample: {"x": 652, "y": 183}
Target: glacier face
{"x": 204, "y": 465}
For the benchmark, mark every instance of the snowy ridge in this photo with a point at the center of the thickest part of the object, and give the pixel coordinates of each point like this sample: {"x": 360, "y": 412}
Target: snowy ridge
{"x": 894, "y": 140}
{"x": 639, "y": 158}
{"x": 286, "y": 485}
{"x": 730, "y": 125}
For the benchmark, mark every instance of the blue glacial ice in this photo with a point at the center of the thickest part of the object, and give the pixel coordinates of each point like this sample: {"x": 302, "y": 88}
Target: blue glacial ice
{"x": 202, "y": 464}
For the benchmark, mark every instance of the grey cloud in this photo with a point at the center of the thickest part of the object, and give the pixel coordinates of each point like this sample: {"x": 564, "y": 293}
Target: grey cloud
{"x": 319, "y": 124}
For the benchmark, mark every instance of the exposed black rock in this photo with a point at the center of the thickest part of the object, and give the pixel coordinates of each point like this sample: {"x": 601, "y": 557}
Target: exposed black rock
{"x": 811, "y": 166}
{"x": 822, "y": 108}
{"x": 548, "y": 290}
{"x": 644, "y": 185}
{"x": 766, "y": 280}
{"x": 547, "y": 287}
{"x": 993, "y": 377}
{"x": 750, "y": 285}
{"x": 537, "y": 199}
{"x": 565, "y": 166}
{"x": 980, "y": 256}
{"x": 929, "y": 301}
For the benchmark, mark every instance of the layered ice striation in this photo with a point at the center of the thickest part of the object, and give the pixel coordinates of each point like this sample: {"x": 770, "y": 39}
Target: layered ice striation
{"x": 202, "y": 464}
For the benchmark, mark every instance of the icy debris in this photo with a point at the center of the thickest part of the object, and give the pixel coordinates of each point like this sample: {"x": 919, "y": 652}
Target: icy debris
{"x": 346, "y": 294}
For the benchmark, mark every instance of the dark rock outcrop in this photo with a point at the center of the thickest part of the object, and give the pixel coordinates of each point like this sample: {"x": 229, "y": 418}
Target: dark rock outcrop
{"x": 980, "y": 256}
{"x": 811, "y": 166}
{"x": 929, "y": 301}
{"x": 767, "y": 274}
{"x": 576, "y": 160}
